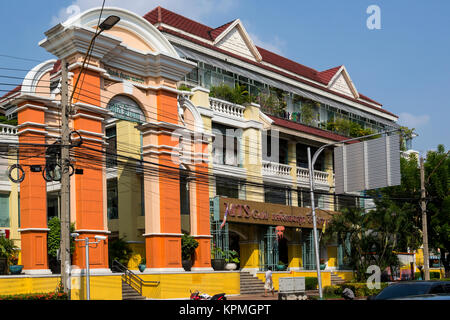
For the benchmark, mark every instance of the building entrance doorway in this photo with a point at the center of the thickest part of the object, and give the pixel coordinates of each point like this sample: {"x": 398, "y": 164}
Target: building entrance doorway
{"x": 268, "y": 248}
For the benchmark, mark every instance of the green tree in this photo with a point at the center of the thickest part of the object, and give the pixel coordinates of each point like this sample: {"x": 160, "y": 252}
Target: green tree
{"x": 392, "y": 226}
{"x": 437, "y": 185}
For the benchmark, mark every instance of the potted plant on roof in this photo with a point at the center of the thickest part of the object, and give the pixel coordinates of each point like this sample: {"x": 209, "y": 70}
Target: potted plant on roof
{"x": 188, "y": 246}
{"x": 232, "y": 260}
{"x": 218, "y": 258}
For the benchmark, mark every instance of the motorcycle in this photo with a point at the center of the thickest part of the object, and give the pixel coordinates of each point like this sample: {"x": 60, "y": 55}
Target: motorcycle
{"x": 197, "y": 295}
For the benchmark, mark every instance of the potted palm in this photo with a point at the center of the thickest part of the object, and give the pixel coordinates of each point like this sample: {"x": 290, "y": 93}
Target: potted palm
{"x": 8, "y": 256}
{"x": 232, "y": 260}
{"x": 188, "y": 246}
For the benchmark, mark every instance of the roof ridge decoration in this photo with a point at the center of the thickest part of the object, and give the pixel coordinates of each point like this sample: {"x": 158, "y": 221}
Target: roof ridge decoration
{"x": 342, "y": 82}
{"x": 237, "y": 24}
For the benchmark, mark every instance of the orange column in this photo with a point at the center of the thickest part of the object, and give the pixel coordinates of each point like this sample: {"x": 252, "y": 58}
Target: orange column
{"x": 33, "y": 193}
{"x": 162, "y": 192}
{"x": 88, "y": 188}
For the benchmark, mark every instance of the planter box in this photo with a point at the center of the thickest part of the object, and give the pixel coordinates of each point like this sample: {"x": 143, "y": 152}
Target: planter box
{"x": 187, "y": 265}
{"x": 218, "y": 264}
{"x": 15, "y": 269}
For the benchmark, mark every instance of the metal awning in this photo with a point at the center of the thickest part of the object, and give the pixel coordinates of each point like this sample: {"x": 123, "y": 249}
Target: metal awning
{"x": 217, "y": 62}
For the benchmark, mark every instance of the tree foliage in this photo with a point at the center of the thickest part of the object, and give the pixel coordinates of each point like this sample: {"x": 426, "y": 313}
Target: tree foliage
{"x": 392, "y": 226}
{"x": 437, "y": 185}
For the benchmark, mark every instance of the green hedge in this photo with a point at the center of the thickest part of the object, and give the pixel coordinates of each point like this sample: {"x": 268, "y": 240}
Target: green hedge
{"x": 359, "y": 289}
{"x": 36, "y": 296}
{"x": 433, "y": 275}
{"x": 311, "y": 283}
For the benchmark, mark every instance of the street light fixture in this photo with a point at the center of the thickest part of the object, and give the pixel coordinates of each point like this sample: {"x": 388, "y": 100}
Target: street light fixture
{"x": 86, "y": 245}
{"x": 108, "y": 23}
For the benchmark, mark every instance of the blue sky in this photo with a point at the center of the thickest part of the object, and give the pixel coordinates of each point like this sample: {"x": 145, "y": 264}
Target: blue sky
{"x": 404, "y": 65}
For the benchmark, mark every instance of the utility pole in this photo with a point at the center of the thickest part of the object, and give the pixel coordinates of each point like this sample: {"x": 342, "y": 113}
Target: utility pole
{"x": 423, "y": 205}
{"x": 65, "y": 179}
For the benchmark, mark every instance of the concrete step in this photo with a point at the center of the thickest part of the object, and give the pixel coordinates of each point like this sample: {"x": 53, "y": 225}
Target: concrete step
{"x": 250, "y": 284}
{"x": 128, "y": 293}
{"x": 335, "y": 279}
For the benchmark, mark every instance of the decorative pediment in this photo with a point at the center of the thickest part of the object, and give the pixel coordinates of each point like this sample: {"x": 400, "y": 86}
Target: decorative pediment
{"x": 236, "y": 40}
{"x": 342, "y": 83}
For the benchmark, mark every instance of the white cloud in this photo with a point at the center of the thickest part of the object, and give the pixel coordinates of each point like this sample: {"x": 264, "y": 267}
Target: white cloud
{"x": 193, "y": 9}
{"x": 275, "y": 45}
{"x": 413, "y": 121}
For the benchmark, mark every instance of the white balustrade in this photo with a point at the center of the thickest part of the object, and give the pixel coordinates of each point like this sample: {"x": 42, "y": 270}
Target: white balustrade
{"x": 227, "y": 108}
{"x": 276, "y": 169}
{"x": 320, "y": 177}
{"x": 6, "y": 129}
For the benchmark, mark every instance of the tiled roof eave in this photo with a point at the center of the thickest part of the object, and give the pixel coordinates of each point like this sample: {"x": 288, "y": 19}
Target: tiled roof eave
{"x": 325, "y": 89}
{"x": 307, "y": 129}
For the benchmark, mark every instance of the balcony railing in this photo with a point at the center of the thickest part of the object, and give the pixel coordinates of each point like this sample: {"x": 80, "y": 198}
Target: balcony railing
{"x": 320, "y": 177}
{"x": 276, "y": 169}
{"x": 280, "y": 170}
{"x": 9, "y": 130}
{"x": 227, "y": 108}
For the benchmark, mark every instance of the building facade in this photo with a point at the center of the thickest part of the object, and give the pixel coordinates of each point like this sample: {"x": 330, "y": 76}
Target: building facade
{"x": 166, "y": 150}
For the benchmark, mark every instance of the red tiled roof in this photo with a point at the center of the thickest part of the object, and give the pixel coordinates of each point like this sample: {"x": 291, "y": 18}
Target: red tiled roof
{"x": 327, "y": 75}
{"x": 289, "y": 65}
{"x": 214, "y": 33}
{"x": 307, "y": 129}
{"x": 195, "y": 28}
{"x": 16, "y": 89}
{"x": 287, "y": 75}
{"x": 178, "y": 21}
{"x": 56, "y": 67}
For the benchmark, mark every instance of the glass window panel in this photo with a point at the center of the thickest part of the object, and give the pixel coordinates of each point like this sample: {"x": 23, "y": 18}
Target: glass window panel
{"x": 4, "y": 210}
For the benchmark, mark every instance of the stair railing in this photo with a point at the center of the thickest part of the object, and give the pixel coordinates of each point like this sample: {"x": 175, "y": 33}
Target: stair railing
{"x": 132, "y": 279}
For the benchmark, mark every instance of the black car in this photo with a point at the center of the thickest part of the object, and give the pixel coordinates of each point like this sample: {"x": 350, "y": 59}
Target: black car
{"x": 412, "y": 288}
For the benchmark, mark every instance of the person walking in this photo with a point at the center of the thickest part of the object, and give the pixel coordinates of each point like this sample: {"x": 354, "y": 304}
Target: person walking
{"x": 268, "y": 285}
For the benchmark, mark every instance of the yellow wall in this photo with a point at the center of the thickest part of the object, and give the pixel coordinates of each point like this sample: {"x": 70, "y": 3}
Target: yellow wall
{"x": 249, "y": 255}
{"x": 128, "y": 182}
{"x": 295, "y": 255}
{"x": 21, "y": 285}
{"x": 346, "y": 275}
{"x": 179, "y": 285}
{"x": 101, "y": 288}
{"x": 332, "y": 256}
{"x": 171, "y": 286}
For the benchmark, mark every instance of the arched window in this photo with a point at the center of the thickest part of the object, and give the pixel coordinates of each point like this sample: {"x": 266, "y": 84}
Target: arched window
{"x": 126, "y": 108}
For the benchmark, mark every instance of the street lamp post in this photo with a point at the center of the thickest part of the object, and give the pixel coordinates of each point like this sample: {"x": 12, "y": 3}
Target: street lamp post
{"x": 86, "y": 245}
{"x": 66, "y": 102}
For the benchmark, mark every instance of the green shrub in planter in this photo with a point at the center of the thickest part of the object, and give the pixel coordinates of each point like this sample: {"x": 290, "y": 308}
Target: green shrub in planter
{"x": 359, "y": 289}
{"x": 435, "y": 275}
{"x": 332, "y": 290}
{"x": 311, "y": 283}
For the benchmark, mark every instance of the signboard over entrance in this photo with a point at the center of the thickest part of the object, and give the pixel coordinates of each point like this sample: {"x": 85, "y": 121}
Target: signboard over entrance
{"x": 253, "y": 212}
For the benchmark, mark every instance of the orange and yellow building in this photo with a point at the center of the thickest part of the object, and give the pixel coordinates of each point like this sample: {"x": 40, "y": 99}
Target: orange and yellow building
{"x": 151, "y": 170}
